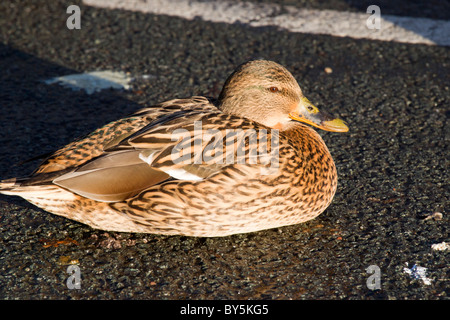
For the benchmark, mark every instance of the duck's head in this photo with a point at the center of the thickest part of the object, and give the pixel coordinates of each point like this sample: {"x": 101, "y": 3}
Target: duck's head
{"x": 265, "y": 92}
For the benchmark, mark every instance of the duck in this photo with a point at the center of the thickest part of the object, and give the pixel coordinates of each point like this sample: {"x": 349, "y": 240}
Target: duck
{"x": 247, "y": 161}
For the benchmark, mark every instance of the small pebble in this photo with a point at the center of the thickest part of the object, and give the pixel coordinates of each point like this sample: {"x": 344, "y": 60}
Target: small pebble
{"x": 440, "y": 246}
{"x": 435, "y": 216}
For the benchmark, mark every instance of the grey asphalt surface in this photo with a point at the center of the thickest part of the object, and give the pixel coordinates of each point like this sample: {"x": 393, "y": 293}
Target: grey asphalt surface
{"x": 393, "y": 165}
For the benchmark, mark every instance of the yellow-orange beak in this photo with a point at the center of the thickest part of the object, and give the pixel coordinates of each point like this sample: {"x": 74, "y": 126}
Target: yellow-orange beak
{"x": 308, "y": 113}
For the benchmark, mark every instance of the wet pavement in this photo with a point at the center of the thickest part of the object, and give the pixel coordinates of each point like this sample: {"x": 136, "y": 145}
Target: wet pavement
{"x": 393, "y": 165}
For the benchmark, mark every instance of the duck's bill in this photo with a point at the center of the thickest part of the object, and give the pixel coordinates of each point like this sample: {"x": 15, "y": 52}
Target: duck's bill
{"x": 321, "y": 120}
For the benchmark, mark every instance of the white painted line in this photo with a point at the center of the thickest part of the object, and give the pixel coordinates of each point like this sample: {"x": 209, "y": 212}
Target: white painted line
{"x": 93, "y": 81}
{"x": 336, "y": 23}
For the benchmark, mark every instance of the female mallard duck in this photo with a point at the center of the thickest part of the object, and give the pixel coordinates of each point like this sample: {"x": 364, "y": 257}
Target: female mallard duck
{"x": 197, "y": 166}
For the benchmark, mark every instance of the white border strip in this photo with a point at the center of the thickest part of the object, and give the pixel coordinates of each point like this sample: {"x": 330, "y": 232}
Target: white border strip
{"x": 336, "y": 23}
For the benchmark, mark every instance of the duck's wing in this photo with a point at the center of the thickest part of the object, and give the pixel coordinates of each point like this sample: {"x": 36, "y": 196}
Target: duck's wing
{"x": 189, "y": 144}
{"x": 203, "y": 144}
{"x": 94, "y": 144}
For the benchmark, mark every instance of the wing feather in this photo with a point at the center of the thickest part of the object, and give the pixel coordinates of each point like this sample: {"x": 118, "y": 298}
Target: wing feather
{"x": 128, "y": 156}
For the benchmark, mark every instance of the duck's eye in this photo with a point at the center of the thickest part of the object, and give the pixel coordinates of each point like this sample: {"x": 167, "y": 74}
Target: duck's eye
{"x": 273, "y": 89}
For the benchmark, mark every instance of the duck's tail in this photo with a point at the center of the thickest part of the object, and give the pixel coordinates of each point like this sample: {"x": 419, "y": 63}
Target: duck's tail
{"x": 59, "y": 201}
{"x": 33, "y": 193}
{"x": 10, "y": 187}
{"x": 7, "y": 184}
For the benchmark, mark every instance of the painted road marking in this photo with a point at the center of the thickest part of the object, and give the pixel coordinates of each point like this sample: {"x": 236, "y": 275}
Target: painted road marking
{"x": 94, "y": 81}
{"x": 336, "y": 23}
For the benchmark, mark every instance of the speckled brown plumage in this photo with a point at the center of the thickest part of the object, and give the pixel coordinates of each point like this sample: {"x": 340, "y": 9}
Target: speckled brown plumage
{"x": 123, "y": 177}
